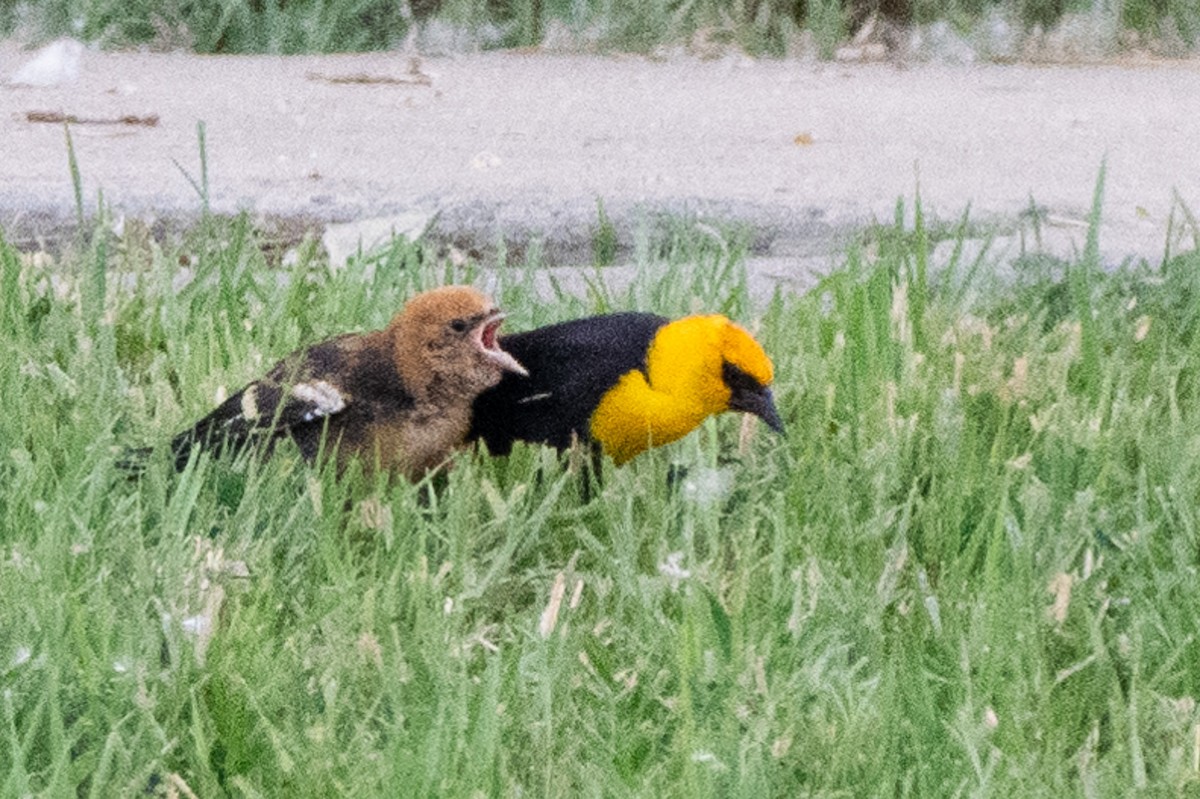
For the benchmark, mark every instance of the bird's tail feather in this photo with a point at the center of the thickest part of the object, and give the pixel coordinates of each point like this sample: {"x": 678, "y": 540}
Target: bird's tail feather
{"x": 133, "y": 461}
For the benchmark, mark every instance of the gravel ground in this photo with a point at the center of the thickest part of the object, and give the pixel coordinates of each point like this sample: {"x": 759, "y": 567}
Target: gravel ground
{"x": 524, "y": 145}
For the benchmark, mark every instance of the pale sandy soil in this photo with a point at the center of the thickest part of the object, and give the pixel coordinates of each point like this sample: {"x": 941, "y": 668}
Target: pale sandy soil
{"x": 520, "y": 145}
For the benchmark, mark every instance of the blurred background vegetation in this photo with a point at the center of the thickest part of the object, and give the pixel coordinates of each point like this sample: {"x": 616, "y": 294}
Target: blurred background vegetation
{"x": 989, "y": 29}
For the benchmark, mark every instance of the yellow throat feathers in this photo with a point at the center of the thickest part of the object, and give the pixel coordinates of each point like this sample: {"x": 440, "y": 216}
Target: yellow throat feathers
{"x": 684, "y": 388}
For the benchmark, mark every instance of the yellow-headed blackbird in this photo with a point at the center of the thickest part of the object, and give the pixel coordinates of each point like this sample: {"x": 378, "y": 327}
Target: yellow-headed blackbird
{"x": 398, "y": 398}
{"x": 627, "y": 381}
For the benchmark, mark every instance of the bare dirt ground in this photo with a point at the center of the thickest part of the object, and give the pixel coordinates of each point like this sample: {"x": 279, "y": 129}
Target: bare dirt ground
{"x": 521, "y": 145}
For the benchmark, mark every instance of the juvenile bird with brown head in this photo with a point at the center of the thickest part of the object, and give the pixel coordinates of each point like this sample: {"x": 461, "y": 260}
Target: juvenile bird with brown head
{"x": 397, "y": 399}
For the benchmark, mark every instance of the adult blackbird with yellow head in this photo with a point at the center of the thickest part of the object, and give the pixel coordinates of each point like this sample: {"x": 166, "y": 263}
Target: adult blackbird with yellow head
{"x": 625, "y": 381}
{"x": 398, "y": 399}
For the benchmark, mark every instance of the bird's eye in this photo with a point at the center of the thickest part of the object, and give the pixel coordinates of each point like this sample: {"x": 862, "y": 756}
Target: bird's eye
{"x": 459, "y": 326}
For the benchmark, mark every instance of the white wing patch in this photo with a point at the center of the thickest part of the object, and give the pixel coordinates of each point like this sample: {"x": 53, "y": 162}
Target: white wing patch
{"x": 535, "y": 397}
{"x": 250, "y": 404}
{"x": 326, "y": 399}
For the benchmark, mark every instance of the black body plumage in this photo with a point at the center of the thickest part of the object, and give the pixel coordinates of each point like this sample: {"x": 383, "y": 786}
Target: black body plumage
{"x": 571, "y": 366}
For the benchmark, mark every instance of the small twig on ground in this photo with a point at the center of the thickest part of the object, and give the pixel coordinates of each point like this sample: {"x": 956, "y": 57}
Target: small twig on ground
{"x": 363, "y": 78}
{"x": 58, "y": 117}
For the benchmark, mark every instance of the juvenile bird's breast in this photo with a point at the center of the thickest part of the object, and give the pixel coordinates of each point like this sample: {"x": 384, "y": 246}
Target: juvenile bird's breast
{"x": 419, "y": 443}
{"x": 410, "y": 442}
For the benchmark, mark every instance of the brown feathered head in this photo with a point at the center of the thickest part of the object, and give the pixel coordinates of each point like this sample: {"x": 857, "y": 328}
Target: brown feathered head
{"x": 446, "y": 338}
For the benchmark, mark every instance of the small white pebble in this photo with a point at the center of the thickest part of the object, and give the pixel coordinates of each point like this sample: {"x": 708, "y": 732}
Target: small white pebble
{"x": 55, "y": 64}
{"x": 196, "y": 625}
{"x": 709, "y": 487}
{"x": 672, "y": 568}
{"x": 709, "y": 759}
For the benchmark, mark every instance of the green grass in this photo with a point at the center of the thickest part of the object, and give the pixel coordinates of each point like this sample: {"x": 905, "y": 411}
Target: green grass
{"x": 970, "y": 569}
{"x": 761, "y": 27}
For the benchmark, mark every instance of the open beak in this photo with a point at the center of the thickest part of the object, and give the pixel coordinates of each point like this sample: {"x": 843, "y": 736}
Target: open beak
{"x": 490, "y": 346}
{"x": 759, "y": 402}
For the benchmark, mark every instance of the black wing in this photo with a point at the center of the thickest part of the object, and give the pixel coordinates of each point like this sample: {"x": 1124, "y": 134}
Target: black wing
{"x": 571, "y": 365}
{"x": 296, "y": 398}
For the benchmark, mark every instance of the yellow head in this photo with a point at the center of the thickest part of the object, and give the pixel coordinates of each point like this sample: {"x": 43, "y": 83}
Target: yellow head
{"x": 696, "y": 367}
{"x": 446, "y": 337}
{"x": 692, "y": 357}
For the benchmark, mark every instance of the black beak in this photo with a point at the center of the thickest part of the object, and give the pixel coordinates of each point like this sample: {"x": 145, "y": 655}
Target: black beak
{"x": 759, "y": 402}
